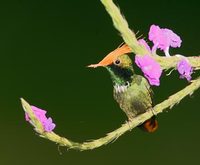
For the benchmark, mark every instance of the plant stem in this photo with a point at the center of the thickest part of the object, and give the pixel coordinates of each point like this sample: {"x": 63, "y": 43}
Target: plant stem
{"x": 89, "y": 145}
{"x": 130, "y": 39}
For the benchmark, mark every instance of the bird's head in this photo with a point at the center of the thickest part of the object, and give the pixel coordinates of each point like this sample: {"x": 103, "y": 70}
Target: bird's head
{"x": 119, "y": 65}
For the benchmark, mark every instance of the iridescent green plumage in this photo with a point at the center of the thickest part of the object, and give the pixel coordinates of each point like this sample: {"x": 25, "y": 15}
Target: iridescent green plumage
{"x": 131, "y": 91}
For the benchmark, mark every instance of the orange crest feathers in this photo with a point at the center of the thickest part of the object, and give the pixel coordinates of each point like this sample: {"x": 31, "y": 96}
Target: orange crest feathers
{"x": 112, "y": 56}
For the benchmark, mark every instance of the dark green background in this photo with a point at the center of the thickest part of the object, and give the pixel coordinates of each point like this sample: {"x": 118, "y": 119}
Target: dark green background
{"x": 44, "y": 48}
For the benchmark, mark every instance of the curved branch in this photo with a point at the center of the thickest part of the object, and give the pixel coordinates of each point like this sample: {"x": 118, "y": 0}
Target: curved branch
{"x": 130, "y": 39}
{"x": 62, "y": 141}
{"x": 166, "y": 63}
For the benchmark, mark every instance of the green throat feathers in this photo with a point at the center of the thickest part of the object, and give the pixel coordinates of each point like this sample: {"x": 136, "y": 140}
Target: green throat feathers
{"x": 121, "y": 70}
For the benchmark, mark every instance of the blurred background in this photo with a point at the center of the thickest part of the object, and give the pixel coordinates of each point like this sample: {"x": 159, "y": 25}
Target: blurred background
{"x": 45, "y": 47}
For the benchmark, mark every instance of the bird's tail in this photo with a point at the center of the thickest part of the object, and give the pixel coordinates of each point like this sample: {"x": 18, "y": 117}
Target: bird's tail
{"x": 150, "y": 125}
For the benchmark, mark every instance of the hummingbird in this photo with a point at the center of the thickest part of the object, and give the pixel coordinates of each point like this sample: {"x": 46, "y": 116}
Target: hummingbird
{"x": 131, "y": 91}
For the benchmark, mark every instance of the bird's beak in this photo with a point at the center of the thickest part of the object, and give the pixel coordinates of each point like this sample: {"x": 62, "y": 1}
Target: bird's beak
{"x": 94, "y": 65}
{"x": 102, "y": 63}
{"x": 105, "y": 62}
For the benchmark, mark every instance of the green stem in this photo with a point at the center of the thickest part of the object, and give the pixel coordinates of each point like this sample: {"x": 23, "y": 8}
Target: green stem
{"x": 130, "y": 39}
{"x": 62, "y": 141}
{"x": 122, "y": 26}
{"x": 165, "y": 62}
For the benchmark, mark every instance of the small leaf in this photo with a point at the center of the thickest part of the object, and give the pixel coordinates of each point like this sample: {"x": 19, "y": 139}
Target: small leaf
{"x": 27, "y": 108}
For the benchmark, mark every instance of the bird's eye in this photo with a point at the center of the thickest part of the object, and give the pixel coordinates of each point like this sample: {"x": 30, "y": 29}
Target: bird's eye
{"x": 117, "y": 62}
{"x": 127, "y": 83}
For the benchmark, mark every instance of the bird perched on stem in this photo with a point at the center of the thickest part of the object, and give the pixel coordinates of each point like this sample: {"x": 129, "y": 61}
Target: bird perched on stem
{"x": 131, "y": 91}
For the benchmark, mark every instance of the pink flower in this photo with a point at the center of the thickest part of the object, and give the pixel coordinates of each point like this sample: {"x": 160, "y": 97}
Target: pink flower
{"x": 47, "y": 123}
{"x": 144, "y": 43}
{"x": 185, "y": 69}
{"x": 163, "y": 38}
{"x": 151, "y": 69}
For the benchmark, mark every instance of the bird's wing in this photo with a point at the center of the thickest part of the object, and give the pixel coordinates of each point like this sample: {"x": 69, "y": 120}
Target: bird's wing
{"x": 145, "y": 88}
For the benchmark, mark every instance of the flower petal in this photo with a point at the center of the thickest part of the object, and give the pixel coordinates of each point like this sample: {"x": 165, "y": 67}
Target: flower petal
{"x": 47, "y": 123}
{"x": 185, "y": 69}
{"x": 163, "y": 38}
{"x": 144, "y": 43}
{"x": 151, "y": 69}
